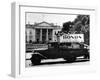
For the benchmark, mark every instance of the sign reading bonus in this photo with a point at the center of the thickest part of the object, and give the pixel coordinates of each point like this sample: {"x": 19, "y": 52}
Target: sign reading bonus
{"x": 72, "y": 38}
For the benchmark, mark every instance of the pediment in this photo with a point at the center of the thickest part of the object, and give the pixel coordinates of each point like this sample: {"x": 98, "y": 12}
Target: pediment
{"x": 44, "y": 24}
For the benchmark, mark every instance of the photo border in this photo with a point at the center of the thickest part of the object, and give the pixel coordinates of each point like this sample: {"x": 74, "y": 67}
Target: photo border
{"x": 16, "y": 72}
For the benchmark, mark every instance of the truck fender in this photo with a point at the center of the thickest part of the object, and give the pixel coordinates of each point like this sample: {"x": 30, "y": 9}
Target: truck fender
{"x": 39, "y": 55}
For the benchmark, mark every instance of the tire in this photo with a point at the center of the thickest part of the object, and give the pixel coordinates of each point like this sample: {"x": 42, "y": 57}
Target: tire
{"x": 86, "y": 57}
{"x": 35, "y": 60}
{"x": 70, "y": 59}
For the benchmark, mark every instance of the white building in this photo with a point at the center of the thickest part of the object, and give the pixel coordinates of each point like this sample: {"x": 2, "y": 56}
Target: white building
{"x": 42, "y": 32}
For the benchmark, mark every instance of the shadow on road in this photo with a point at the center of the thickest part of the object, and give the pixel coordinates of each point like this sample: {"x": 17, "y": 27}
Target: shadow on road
{"x": 61, "y": 62}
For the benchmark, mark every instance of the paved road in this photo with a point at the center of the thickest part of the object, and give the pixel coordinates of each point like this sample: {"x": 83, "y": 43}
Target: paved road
{"x": 56, "y": 61}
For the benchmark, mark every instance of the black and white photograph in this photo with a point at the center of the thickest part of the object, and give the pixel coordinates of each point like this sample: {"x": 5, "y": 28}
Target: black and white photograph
{"x": 55, "y": 38}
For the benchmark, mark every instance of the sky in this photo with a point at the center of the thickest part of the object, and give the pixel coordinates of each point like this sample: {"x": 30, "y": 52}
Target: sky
{"x": 57, "y": 19}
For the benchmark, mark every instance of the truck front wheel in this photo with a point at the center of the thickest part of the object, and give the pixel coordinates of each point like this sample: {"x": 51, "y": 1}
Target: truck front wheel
{"x": 35, "y": 60}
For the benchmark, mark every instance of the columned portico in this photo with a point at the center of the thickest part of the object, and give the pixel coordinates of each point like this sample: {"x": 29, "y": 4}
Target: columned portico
{"x": 44, "y": 35}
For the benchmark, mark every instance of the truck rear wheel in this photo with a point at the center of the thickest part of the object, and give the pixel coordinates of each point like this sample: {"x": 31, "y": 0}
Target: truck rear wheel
{"x": 86, "y": 56}
{"x": 70, "y": 59}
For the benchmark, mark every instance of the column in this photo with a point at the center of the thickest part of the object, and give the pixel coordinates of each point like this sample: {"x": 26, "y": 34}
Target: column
{"x": 41, "y": 35}
{"x": 26, "y": 36}
{"x": 47, "y": 35}
{"x": 52, "y": 35}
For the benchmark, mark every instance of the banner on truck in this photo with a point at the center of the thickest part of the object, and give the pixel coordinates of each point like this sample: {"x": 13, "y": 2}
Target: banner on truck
{"x": 72, "y": 38}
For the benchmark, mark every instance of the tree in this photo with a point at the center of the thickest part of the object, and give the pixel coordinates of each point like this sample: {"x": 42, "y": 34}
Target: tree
{"x": 81, "y": 25}
{"x": 67, "y": 26}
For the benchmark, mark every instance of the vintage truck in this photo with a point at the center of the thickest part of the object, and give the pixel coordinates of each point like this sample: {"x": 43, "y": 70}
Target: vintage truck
{"x": 55, "y": 50}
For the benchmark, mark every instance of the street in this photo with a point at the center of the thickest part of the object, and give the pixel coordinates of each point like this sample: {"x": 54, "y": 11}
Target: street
{"x": 57, "y": 62}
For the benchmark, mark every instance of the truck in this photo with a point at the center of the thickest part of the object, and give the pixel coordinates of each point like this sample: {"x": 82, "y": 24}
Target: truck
{"x": 67, "y": 49}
